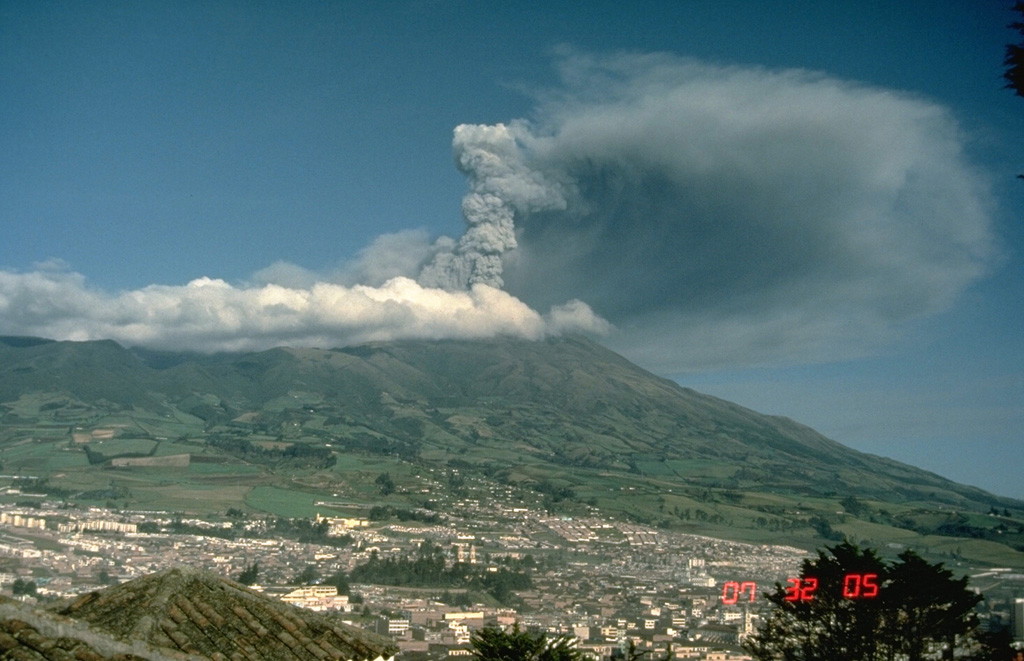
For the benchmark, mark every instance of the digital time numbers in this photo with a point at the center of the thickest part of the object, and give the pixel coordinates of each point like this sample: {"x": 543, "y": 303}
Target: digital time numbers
{"x": 855, "y": 586}
{"x": 733, "y": 590}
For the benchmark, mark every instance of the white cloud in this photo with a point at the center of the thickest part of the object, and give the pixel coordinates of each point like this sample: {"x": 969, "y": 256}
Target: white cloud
{"x": 212, "y": 315}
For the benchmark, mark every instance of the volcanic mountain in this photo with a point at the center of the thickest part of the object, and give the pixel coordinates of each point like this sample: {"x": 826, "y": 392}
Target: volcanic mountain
{"x": 564, "y": 419}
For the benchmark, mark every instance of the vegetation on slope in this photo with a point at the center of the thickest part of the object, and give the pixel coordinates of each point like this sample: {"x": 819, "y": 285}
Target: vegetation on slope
{"x": 562, "y": 423}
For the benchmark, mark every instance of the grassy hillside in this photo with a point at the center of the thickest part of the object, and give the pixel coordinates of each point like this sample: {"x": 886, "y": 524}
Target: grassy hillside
{"x": 562, "y": 423}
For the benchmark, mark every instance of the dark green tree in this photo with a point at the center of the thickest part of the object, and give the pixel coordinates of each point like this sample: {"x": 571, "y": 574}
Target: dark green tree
{"x": 307, "y": 576}
{"x": 339, "y": 580}
{"x": 25, "y": 587}
{"x": 386, "y": 484}
{"x": 1014, "y": 60}
{"x": 812, "y": 620}
{"x": 495, "y": 644}
{"x": 249, "y": 574}
{"x": 850, "y": 605}
{"x": 994, "y": 646}
{"x": 854, "y": 506}
{"x": 926, "y": 604}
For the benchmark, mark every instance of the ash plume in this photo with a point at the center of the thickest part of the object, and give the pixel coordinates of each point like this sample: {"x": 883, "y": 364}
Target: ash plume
{"x": 501, "y": 186}
{"x": 725, "y": 215}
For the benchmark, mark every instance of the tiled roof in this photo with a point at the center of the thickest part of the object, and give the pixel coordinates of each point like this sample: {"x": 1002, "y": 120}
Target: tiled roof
{"x": 20, "y": 640}
{"x": 200, "y": 614}
{"x": 27, "y": 634}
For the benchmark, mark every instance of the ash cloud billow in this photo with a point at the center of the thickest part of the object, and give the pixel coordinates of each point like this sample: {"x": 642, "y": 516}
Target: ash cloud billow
{"x": 724, "y": 216}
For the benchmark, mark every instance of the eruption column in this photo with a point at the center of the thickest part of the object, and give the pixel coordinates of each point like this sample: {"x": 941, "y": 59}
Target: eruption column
{"x": 501, "y": 185}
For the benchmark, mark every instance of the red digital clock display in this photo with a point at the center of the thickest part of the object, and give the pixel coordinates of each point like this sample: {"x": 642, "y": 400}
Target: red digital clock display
{"x": 855, "y": 586}
{"x": 733, "y": 590}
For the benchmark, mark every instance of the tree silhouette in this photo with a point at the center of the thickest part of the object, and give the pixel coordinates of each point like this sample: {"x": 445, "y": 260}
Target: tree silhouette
{"x": 995, "y": 646}
{"x": 249, "y": 574}
{"x": 849, "y": 604}
{"x": 929, "y": 605}
{"x": 495, "y": 644}
{"x": 1014, "y": 60}
{"x": 386, "y": 484}
{"x": 308, "y": 576}
{"x": 812, "y": 619}
{"x": 22, "y": 586}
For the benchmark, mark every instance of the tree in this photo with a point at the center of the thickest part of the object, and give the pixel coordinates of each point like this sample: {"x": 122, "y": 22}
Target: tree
{"x": 850, "y": 604}
{"x": 339, "y": 580}
{"x": 994, "y": 646}
{"x": 929, "y": 605}
{"x": 249, "y": 574}
{"x": 496, "y": 644}
{"x": 308, "y": 576}
{"x": 812, "y": 619}
{"x": 1014, "y": 61}
{"x": 386, "y": 484}
{"x": 24, "y": 587}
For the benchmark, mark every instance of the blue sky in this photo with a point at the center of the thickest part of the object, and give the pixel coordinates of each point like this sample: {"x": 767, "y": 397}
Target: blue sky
{"x": 808, "y": 208}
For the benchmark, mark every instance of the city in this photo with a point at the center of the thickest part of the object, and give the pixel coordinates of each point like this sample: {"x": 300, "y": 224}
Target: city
{"x": 606, "y": 584}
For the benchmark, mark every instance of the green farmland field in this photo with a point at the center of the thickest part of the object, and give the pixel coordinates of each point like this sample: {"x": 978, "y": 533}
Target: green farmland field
{"x": 281, "y": 502}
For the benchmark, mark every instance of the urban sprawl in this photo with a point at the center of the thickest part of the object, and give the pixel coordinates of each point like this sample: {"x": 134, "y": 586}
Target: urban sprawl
{"x": 607, "y": 583}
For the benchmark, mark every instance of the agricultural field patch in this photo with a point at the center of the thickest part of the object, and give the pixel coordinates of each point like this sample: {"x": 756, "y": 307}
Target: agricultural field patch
{"x": 47, "y": 405}
{"x": 225, "y": 469}
{"x": 41, "y": 456}
{"x": 294, "y": 400}
{"x": 351, "y": 462}
{"x": 976, "y": 550}
{"x": 116, "y": 446}
{"x": 858, "y": 530}
{"x": 700, "y": 467}
{"x": 655, "y": 468}
{"x": 190, "y": 497}
{"x": 166, "y": 448}
{"x": 272, "y": 445}
{"x": 282, "y": 502}
{"x": 41, "y": 432}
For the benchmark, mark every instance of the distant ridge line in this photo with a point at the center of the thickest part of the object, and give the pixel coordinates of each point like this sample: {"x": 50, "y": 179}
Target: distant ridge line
{"x": 23, "y": 341}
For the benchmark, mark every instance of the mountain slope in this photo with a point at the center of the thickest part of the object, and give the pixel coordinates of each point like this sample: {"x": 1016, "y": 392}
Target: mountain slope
{"x": 564, "y": 419}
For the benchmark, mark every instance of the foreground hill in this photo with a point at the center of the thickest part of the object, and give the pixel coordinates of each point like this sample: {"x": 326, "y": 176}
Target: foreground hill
{"x": 564, "y": 420}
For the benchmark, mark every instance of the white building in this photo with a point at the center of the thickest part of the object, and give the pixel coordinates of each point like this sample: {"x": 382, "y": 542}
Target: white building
{"x": 318, "y": 598}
